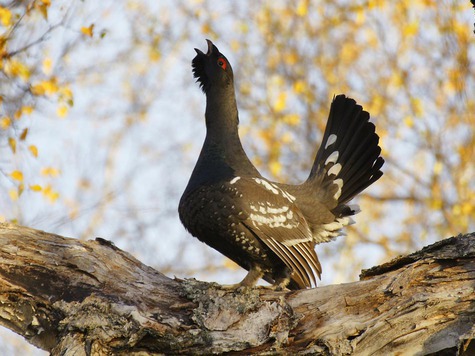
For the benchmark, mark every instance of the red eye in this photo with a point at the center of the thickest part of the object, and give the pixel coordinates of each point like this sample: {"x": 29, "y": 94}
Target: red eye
{"x": 222, "y": 63}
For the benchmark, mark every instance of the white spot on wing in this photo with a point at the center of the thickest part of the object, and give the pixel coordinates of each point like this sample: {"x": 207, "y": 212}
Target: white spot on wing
{"x": 266, "y": 185}
{"x": 288, "y": 195}
{"x": 234, "y": 180}
{"x": 291, "y": 242}
{"x": 331, "y": 140}
{"x": 272, "y": 221}
{"x": 277, "y": 210}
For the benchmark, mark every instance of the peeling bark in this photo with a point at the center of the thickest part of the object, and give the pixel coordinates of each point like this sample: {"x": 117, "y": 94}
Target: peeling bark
{"x": 90, "y": 298}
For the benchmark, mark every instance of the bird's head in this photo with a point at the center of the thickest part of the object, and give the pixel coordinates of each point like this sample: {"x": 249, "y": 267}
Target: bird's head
{"x": 212, "y": 69}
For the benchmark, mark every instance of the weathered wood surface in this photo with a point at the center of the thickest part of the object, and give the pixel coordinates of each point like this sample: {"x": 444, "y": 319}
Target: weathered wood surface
{"x": 90, "y": 298}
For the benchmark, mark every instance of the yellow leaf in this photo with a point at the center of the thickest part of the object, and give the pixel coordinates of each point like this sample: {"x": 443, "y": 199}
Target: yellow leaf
{"x": 275, "y": 168}
{"x": 49, "y": 193}
{"x": 397, "y": 79}
{"x": 46, "y": 87}
{"x": 62, "y": 111}
{"x": 281, "y": 102}
{"x": 17, "y": 175}
{"x": 42, "y": 7}
{"x": 292, "y": 119}
{"x": 13, "y": 193}
{"x": 12, "y": 144}
{"x": 17, "y": 69}
{"x": 205, "y": 28}
{"x": 88, "y": 31}
{"x": 33, "y": 150}
{"x": 408, "y": 121}
{"x": 411, "y": 29}
{"x": 5, "y": 122}
{"x": 302, "y": 8}
{"x": 245, "y": 88}
{"x": 23, "y": 135}
{"x": 349, "y": 52}
{"x": 300, "y": 87}
{"x": 36, "y": 187}
{"x": 154, "y": 54}
{"x": 47, "y": 65}
{"x": 17, "y": 115}
{"x": 375, "y": 106}
{"x": 372, "y": 4}
{"x": 66, "y": 95}
{"x": 457, "y": 209}
{"x": 291, "y": 58}
{"x": 467, "y": 209}
{"x": 436, "y": 204}
{"x": 417, "y": 106}
{"x": 360, "y": 16}
{"x": 50, "y": 171}
{"x": 438, "y": 166}
{"x": 5, "y": 16}
{"x": 286, "y": 138}
{"x": 26, "y": 110}
{"x": 235, "y": 45}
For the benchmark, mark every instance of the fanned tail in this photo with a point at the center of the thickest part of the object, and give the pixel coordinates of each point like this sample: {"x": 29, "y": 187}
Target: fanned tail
{"x": 348, "y": 160}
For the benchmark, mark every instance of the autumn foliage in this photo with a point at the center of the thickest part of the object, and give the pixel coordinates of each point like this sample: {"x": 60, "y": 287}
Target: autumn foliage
{"x": 100, "y": 121}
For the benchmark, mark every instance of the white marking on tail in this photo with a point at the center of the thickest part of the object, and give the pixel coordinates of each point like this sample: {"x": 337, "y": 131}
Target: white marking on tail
{"x": 339, "y": 183}
{"x": 333, "y": 158}
{"x": 331, "y": 140}
{"x": 347, "y": 220}
{"x": 333, "y": 226}
{"x": 355, "y": 208}
{"x": 335, "y": 169}
{"x": 234, "y": 180}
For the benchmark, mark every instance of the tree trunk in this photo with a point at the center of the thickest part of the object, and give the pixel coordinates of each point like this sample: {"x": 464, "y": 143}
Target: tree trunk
{"x": 90, "y": 298}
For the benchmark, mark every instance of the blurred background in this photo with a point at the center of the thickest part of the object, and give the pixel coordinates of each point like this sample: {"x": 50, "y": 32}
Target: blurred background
{"x": 101, "y": 122}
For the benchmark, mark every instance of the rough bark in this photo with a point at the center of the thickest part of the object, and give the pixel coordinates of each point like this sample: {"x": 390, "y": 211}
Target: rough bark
{"x": 90, "y": 298}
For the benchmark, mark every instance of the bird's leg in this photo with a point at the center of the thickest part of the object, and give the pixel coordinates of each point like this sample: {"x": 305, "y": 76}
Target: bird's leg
{"x": 281, "y": 283}
{"x": 254, "y": 274}
{"x": 282, "y": 279}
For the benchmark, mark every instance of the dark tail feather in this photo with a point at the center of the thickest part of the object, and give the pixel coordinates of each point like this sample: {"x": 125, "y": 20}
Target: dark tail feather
{"x": 349, "y": 151}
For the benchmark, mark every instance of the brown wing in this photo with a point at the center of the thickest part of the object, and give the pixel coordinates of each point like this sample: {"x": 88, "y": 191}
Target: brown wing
{"x": 273, "y": 217}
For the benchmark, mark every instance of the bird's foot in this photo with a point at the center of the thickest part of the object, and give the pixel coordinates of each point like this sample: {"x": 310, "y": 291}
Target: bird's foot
{"x": 249, "y": 281}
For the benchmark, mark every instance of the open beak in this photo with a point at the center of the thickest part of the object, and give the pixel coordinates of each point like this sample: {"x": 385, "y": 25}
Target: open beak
{"x": 211, "y": 47}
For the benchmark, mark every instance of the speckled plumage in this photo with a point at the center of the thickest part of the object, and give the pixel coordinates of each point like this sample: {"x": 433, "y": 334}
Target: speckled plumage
{"x": 269, "y": 228}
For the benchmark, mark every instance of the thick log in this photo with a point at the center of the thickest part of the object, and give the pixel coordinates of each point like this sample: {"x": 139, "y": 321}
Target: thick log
{"x": 90, "y": 298}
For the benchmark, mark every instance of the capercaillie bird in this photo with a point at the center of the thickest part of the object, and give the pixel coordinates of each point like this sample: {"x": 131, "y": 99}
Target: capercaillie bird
{"x": 269, "y": 228}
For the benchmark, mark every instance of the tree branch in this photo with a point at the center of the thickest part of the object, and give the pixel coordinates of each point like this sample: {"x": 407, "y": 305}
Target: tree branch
{"x": 69, "y": 296}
